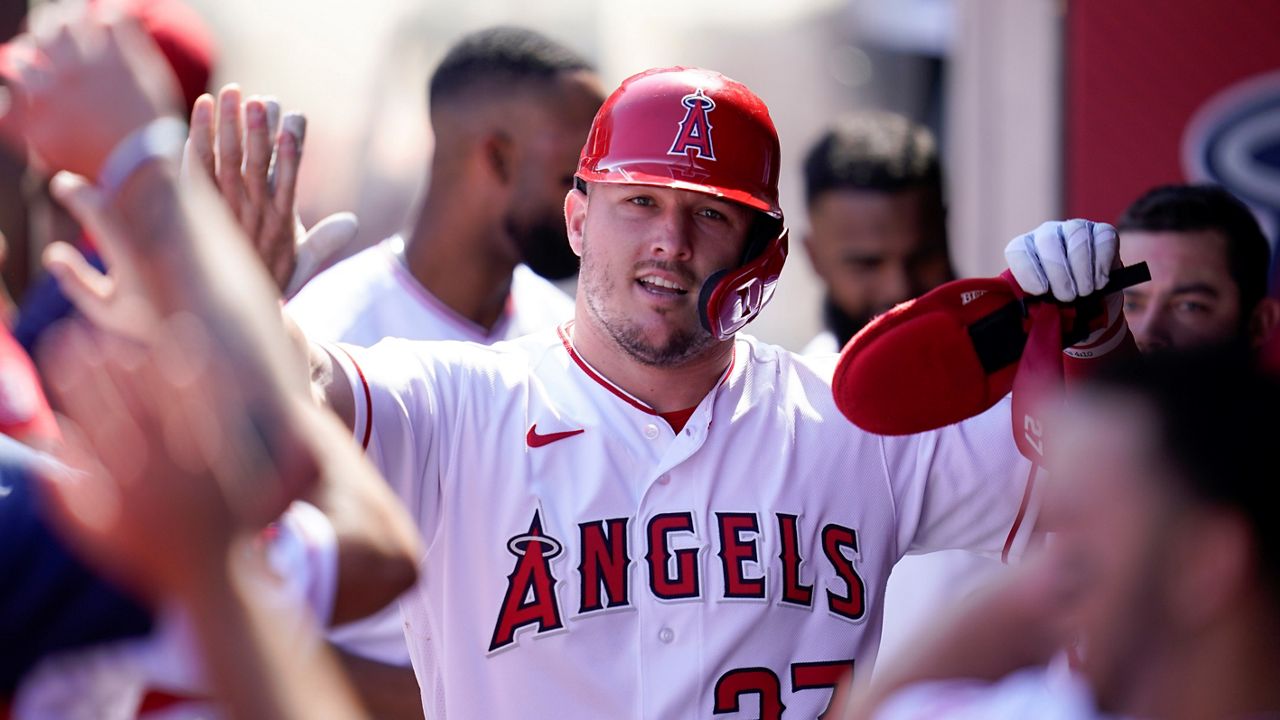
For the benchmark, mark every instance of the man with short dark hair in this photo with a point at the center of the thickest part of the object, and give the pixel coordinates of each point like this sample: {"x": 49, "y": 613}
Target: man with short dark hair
{"x": 510, "y": 109}
{"x": 878, "y": 233}
{"x": 1208, "y": 261}
{"x": 878, "y": 237}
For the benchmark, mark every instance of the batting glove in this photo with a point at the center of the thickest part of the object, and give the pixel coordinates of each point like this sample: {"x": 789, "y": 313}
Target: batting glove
{"x": 1070, "y": 259}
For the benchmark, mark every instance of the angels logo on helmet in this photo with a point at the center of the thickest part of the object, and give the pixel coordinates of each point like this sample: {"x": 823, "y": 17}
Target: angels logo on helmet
{"x": 694, "y": 138}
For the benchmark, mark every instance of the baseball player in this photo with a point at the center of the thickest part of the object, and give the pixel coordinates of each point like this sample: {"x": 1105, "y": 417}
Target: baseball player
{"x": 509, "y": 108}
{"x": 644, "y": 514}
{"x": 641, "y": 513}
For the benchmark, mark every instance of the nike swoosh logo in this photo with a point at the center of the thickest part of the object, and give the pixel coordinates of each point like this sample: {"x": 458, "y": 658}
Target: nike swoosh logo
{"x": 536, "y": 440}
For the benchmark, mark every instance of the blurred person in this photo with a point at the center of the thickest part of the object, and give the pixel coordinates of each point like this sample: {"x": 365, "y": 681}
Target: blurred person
{"x": 24, "y": 410}
{"x": 878, "y": 237}
{"x": 877, "y": 220}
{"x": 1209, "y": 262}
{"x": 641, "y": 372}
{"x": 367, "y": 531}
{"x": 510, "y": 110}
{"x": 1164, "y": 564}
{"x": 50, "y": 601}
{"x": 165, "y": 489}
{"x": 187, "y": 44}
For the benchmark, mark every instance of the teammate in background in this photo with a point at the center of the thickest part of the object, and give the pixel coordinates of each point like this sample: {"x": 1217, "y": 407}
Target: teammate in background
{"x": 510, "y": 109}
{"x": 643, "y": 513}
{"x": 878, "y": 237}
{"x": 877, "y": 220}
{"x": 1209, "y": 263}
{"x": 1164, "y": 565}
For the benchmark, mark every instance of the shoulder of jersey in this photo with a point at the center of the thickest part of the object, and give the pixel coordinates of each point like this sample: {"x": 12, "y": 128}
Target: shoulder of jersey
{"x": 518, "y": 352}
{"x": 335, "y": 286}
{"x": 807, "y": 375}
{"x": 529, "y": 286}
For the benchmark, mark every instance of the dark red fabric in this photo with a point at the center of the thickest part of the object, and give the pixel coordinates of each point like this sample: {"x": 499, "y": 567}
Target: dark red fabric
{"x": 678, "y": 418}
{"x": 915, "y": 367}
{"x": 182, "y": 36}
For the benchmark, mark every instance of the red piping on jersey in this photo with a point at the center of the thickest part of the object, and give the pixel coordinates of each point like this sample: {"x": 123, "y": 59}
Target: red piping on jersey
{"x": 1022, "y": 512}
{"x": 368, "y": 399}
{"x": 626, "y": 397}
{"x": 448, "y": 314}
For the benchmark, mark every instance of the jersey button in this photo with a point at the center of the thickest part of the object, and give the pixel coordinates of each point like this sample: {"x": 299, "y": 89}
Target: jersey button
{"x": 666, "y": 635}
{"x": 651, "y": 431}
{"x": 663, "y": 479}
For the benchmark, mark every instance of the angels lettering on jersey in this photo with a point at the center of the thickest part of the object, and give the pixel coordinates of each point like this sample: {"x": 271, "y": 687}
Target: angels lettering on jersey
{"x": 608, "y": 567}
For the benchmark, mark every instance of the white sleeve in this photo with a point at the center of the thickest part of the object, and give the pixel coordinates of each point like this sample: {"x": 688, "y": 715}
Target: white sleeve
{"x": 397, "y": 391}
{"x": 1034, "y": 692}
{"x": 302, "y": 550}
{"x": 965, "y": 487}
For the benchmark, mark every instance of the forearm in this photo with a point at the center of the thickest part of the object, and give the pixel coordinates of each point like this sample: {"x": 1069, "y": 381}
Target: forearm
{"x": 197, "y": 262}
{"x": 256, "y": 670}
{"x": 390, "y": 692}
{"x": 999, "y": 630}
{"x": 378, "y": 543}
{"x": 191, "y": 257}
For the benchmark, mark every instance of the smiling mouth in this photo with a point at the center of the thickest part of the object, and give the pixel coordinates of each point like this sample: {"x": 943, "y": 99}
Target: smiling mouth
{"x": 660, "y": 286}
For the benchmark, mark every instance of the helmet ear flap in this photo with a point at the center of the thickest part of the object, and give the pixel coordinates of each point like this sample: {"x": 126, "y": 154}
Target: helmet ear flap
{"x": 705, "y": 295}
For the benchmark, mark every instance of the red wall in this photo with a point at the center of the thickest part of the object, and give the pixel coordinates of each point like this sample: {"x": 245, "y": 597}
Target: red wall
{"x": 1136, "y": 71}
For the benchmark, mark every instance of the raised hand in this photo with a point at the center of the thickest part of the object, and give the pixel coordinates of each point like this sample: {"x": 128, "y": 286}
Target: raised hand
{"x": 253, "y": 156}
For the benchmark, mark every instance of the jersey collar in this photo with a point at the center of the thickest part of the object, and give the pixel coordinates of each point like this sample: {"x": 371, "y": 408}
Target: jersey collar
{"x": 567, "y": 339}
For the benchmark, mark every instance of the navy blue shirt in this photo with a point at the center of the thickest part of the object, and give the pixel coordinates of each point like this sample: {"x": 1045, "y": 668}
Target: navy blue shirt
{"x": 49, "y": 600}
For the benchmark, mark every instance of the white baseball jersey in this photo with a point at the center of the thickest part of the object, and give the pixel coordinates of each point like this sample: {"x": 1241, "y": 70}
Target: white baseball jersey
{"x": 371, "y": 296}
{"x": 920, "y": 586}
{"x": 585, "y": 560}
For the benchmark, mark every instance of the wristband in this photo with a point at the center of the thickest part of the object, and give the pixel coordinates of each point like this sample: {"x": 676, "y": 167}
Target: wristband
{"x": 161, "y": 138}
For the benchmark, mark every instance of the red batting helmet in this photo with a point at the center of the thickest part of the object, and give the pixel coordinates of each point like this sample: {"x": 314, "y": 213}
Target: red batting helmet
{"x": 697, "y": 130}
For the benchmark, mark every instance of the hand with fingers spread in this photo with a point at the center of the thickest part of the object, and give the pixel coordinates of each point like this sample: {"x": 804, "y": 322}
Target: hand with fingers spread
{"x": 253, "y": 156}
{"x": 66, "y": 71}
